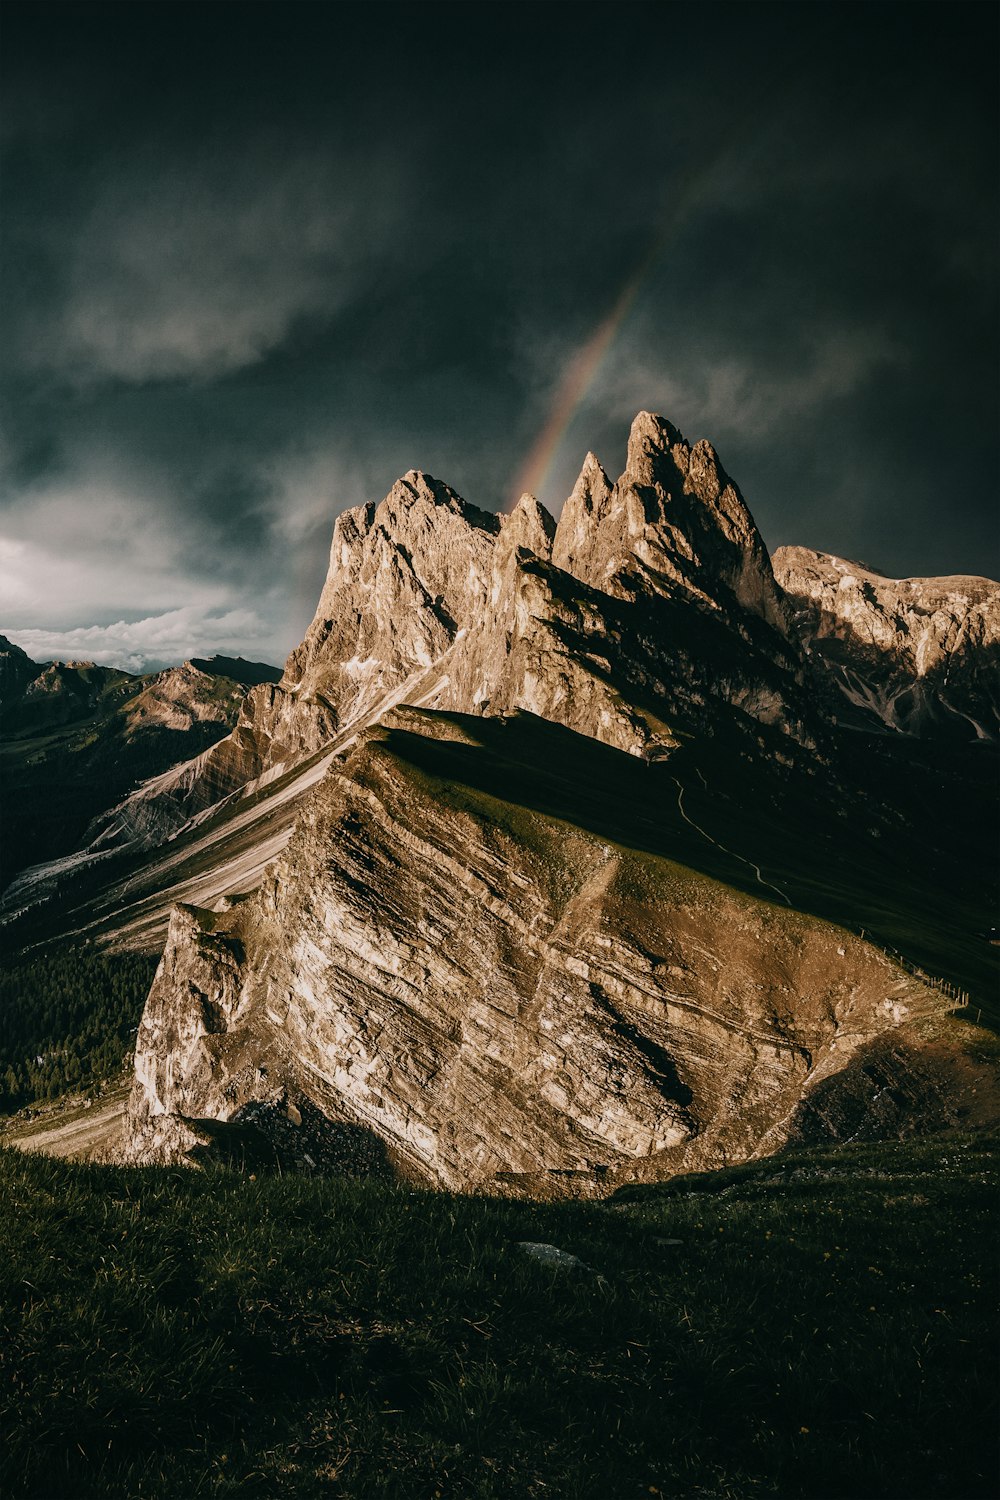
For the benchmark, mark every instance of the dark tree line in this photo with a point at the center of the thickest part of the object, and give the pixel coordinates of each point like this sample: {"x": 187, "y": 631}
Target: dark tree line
{"x": 68, "y": 1021}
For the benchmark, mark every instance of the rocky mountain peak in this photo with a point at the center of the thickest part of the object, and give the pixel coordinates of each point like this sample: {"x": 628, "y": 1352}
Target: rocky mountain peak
{"x": 419, "y": 541}
{"x": 580, "y": 533}
{"x": 673, "y": 522}
{"x": 180, "y": 697}
{"x": 432, "y": 600}
{"x": 651, "y": 444}
{"x": 406, "y": 576}
{"x": 529, "y": 526}
{"x": 592, "y": 484}
{"x": 904, "y": 655}
{"x": 419, "y": 498}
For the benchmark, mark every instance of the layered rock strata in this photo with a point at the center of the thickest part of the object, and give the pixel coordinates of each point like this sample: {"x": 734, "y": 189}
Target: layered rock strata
{"x": 521, "y": 937}
{"x": 498, "y": 994}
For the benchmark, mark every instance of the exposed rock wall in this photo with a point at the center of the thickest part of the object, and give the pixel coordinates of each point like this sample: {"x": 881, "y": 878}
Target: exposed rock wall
{"x": 650, "y": 610}
{"x": 914, "y": 655}
{"x": 503, "y": 997}
{"x": 673, "y": 520}
{"x": 495, "y": 992}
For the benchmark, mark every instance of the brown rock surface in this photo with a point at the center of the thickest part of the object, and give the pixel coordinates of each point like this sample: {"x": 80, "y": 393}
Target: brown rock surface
{"x": 650, "y": 610}
{"x": 494, "y": 991}
{"x": 519, "y": 958}
{"x": 914, "y": 655}
{"x": 674, "y": 518}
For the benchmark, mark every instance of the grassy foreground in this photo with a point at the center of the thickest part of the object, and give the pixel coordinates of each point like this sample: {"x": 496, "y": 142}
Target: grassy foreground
{"x": 819, "y": 1325}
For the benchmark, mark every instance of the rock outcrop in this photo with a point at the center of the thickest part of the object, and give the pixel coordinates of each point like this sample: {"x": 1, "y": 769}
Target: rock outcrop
{"x": 674, "y": 520}
{"x": 581, "y": 867}
{"x": 635, "y": 612}
{"x": 649, "y": 611}
{"x": 503, "y": 998}
{"x": 917, "y": 656}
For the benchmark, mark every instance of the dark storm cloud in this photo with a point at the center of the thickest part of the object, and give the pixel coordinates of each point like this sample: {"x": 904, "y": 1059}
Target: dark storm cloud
{"x": 266, "y": 258}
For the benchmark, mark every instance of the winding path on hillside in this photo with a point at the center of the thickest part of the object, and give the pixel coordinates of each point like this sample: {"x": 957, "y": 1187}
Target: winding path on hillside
{"x": 731, "y": 852}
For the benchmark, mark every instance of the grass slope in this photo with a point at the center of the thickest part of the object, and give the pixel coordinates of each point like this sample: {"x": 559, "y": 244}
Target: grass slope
{"x": 931, "y": 902}
{"x": 818, "y": 1325}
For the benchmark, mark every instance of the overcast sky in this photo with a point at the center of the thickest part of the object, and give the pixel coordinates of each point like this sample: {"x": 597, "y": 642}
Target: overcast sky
{"x": 258, "y": 260}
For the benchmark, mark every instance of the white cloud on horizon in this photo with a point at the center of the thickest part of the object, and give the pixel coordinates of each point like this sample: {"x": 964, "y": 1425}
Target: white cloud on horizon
{"x": 139, "y": 645}
{"x": 92, "y": 548}
{"x": 109, "y": 567}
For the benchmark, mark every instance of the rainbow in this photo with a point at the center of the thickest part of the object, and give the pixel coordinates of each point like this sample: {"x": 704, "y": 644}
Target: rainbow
{"x": 582, "y": 369}
{"x": 572, "y": 390}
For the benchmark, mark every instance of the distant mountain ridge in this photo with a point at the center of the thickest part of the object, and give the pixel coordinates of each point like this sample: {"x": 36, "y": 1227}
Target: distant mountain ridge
{"x": 75, "y": 736}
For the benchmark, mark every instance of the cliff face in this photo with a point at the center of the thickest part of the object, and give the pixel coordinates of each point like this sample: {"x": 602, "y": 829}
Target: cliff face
{"x": 649, "y": 604}
{"x": 577, "y": 883}
{"x": 674, "y": 521}
{"x": 651, "y": 610}
{"x": 918, "y": 656}
{"x": 500, "y": 996}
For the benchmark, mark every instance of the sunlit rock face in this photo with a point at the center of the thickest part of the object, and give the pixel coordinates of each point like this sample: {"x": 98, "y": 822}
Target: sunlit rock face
{"x": 910, "y": 655}
{"x": 405, "y": 578}
{"x": 461, "y": 950}
{"x": 673, "y": 520}
{"x": 496, "y": 994}
{"x": 650, "y": 589}
{"x": 650, "y": 610}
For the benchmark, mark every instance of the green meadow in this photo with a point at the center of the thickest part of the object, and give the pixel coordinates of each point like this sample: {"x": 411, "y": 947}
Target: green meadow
{"x": 820, "y": 1324}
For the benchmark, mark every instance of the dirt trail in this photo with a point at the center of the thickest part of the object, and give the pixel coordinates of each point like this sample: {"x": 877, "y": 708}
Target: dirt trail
{"x": 90, "y": 1133}
{"x": 731, "y": 852}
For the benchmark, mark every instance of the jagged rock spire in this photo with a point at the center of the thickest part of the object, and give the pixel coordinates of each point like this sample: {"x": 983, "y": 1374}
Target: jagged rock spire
{"x": 651, "y": 441}
{"x": 580, "y": 531}
{"x": 673, "y": 520}
{"x": 529, "y": 526}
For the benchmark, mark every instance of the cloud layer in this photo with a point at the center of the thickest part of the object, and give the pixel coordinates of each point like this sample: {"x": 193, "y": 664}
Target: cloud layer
{"x": 266, "y": 261}
{"x": 159, "y": 640}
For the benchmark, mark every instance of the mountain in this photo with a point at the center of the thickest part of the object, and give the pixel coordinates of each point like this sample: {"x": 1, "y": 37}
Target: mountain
{"x": 918, "y": 656}
{"x": 16, "y": 671}
{"x": 75, "y": 737}
{"x": 503, "y": 994}
{"x": 429, "y": 600}
{"x": 550, "y": 860}
{"x": 236, "y": 669}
